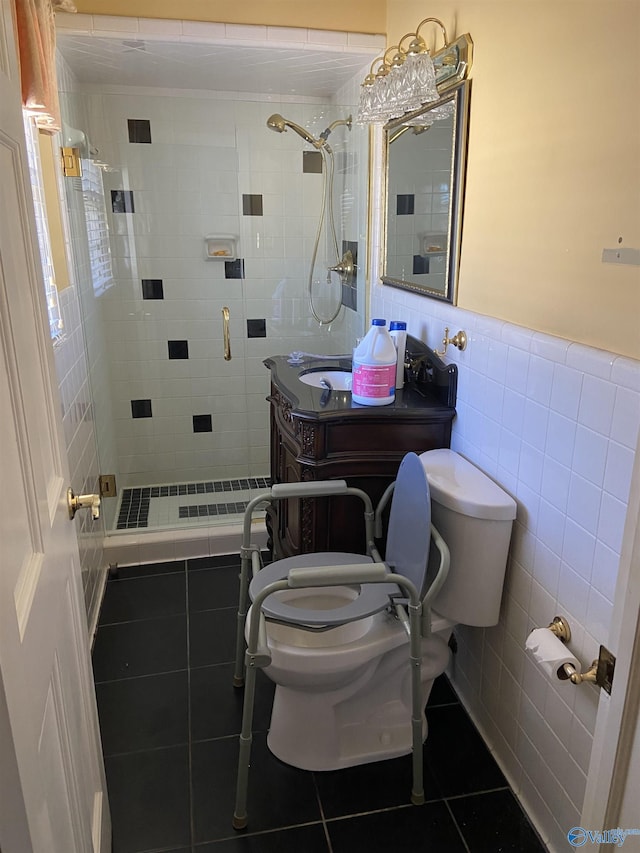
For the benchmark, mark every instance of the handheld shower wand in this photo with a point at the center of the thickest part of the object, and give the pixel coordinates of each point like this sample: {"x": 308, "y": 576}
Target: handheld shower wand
{"x": 279, "y": 124}
{"x": 344, "y": 267}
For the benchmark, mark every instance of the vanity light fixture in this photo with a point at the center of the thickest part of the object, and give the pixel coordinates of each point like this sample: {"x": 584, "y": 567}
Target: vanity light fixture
{"x": 402, "y": 84}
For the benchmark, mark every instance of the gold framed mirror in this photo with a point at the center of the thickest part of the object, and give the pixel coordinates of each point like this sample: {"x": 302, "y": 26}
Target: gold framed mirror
{"x": 423, "y": 166}
{"x": 425, "y": 163}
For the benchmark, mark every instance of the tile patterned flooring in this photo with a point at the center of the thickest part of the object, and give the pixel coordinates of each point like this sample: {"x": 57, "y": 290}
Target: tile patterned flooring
{"x": 183, "y": 504}
{"x": 170, "y": 720}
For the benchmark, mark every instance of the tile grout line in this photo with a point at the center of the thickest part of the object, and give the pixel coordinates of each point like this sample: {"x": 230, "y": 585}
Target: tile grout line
{"x": 455, "y": 823}
{"x": 322, "y": 815}
{"x": 135, "y": 677}
{"x": 189, "y": 739}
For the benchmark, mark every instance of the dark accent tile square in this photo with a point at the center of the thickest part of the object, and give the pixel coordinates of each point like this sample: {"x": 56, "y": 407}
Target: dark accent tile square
{"x": 312, "y": 162}
{"x": 405, "y": 204}
{"x": 457, "y": 755}
{"x": 141, "y": 409}
{"x": 216, "y": 705}
{"x": 139, "y": 129}
{"x": 149, "y": 799}
{"x": 369, "y": 787}
{"x": 178, "y": 349}
{"x": 349, "y": 297}
{"x": 420, "y": 265}
{"x": 152, "y": 288}
{"x": 146, "y": 647}
{"x": 251, "y": 204}
{"x": 494, "y": 823}
{"x": 234, "y": 269}
{"x": 213, "y": 588}
{"x": 144, "y": 713}
{"x": 212, "y": 635}
{"x": 122, "y": 201}
{"x": 414, "y": 829}
{"x": 256, "y": 328}
{"x": 278, "y": 795}
{"x": 202, "y": 423}
{"x": 130, "y": 599}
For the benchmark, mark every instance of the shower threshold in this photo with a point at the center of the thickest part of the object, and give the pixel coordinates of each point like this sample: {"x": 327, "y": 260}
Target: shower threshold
{"x": 179, "y": 505}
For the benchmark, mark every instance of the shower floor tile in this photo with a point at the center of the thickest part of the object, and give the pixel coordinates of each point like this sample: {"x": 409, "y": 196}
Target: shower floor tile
{"x": 170, "y": 721}
{"x": 158, "y": 507}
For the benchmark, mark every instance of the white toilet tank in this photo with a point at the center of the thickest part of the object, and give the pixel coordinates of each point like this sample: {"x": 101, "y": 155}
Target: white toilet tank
{"x": 474, "y": 516}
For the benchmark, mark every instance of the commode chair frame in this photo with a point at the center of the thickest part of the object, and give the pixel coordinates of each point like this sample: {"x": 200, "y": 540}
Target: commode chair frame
{"x": 257, "y": 655}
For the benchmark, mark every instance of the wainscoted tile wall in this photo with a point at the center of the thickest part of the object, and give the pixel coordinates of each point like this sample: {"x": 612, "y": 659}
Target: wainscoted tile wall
{"x": 556, "y": 424}
{"x": 184, "y": 166}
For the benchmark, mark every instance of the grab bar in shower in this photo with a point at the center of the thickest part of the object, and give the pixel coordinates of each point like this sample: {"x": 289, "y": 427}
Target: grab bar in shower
{"x": 226, "y": 335}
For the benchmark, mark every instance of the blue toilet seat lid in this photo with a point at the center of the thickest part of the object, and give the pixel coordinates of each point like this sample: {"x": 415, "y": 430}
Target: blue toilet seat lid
{"x": 373, "y": 597}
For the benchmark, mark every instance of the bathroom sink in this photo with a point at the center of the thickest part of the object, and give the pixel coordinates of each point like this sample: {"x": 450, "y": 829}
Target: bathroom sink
{"x": 338, "y": 380}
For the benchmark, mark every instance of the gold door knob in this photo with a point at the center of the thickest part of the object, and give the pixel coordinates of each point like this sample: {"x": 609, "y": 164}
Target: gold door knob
{"x": 76, "y": 502}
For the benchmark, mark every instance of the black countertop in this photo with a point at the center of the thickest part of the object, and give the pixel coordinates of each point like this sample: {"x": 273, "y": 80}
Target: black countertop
{"x": 434, "y": 387}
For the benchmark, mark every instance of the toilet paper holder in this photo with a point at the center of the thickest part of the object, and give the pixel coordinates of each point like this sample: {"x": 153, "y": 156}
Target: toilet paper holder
{"x": 560, "y": 627}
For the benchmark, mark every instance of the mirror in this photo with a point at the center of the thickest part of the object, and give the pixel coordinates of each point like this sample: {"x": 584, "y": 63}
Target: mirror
{"x": 424, "y": 167}
{"x": 425, "y": 173}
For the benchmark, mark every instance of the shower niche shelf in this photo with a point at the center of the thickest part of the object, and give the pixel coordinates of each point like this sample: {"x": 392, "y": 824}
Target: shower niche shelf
{"x": 221, "y": 247}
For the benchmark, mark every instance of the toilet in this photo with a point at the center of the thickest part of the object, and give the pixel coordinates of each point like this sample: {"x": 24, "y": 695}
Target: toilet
{"x": 343, "y": 692}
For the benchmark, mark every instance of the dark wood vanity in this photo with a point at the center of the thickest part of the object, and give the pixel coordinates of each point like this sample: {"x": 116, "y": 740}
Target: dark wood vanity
{"x": 318, "y": 434}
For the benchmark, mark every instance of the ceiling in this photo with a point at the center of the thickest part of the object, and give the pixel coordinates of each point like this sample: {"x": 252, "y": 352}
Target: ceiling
{"x": 306, "y": 72}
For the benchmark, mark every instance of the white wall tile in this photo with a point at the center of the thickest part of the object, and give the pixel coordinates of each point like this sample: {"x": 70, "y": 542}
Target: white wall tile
{"x": 556, "y": 480}
{"x": 540, "y": 380}
{"x": 590, "y": 455}
{"x": 571, "y": 493}
{"x": 617, "y": 475}
{"x": 534, "y": 428}
{"x": 611, "y": 521}
{"x": 566, "y": 390}
{"x": 578, "y": 548}
{"x": 626, "y": 417}
{"x": 596, "y": 404}
{"x": 595, "y": 362}
{"x": 517, "y": 370}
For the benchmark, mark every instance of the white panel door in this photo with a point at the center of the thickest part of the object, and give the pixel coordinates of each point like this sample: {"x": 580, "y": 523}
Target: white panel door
{"x": 52, "y": 792}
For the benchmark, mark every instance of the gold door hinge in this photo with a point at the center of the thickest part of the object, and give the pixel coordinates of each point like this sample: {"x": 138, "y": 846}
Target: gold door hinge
{"x": 71, "y": 166}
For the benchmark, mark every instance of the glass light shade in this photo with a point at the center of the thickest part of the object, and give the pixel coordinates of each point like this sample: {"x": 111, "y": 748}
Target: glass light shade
{"x": 365, "y": 108}
{"x": 421, "y": 80}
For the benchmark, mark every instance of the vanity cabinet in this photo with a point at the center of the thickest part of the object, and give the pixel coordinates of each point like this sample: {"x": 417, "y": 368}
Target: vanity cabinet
{"x": 315, "y": 438}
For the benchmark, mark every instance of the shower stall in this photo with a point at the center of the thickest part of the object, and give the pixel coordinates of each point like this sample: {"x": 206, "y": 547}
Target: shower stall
{"x": 202, "y": 243}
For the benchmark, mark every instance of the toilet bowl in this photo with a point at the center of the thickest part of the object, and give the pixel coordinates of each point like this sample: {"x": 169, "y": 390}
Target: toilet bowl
{"x": 343, "y": 694}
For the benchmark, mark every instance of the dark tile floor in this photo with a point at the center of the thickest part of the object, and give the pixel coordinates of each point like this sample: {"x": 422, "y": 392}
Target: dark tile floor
{"x": 170, "y": 720}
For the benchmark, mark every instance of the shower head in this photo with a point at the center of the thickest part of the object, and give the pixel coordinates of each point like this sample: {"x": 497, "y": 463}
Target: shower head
{"x": 278, "y": 123}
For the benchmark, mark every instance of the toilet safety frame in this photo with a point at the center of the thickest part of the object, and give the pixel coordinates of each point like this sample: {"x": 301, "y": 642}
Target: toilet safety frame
{"x": 258, "y": 656}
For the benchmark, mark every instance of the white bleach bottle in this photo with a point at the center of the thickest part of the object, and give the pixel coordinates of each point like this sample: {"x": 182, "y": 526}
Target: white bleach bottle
{"x": 374, "y": 367}
{"x": 398, "y": 333}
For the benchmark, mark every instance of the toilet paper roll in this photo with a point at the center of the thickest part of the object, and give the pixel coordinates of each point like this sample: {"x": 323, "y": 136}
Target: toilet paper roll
{"x": 550, "y": 653}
